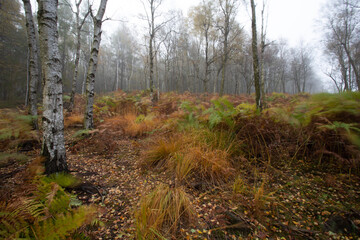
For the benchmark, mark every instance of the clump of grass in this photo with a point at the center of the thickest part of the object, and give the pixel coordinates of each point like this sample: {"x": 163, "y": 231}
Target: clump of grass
{"x": 216, "y": 139}
{"x": 160, "y": 152}
{"x": 163, "y": 211}
{"x": 205, "y": 164}
{"x": 239, "y": 185}
{"x": 182, "y": 166}
{"x": 74, "y": 121}
{"x": 259, "y": 198}
{"x": 139, "y": 125}
{"x": 188, "y": 157}
{"x": 262, "y": 198}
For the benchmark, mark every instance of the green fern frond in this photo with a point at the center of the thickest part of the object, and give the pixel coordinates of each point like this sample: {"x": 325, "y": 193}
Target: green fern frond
{"x": 46, "y": 214}
{"x": 63, "y": 224}
{"x": 329, "y": 106}
{"x": 222, "y": 111}
{"x": 348, "y": 127}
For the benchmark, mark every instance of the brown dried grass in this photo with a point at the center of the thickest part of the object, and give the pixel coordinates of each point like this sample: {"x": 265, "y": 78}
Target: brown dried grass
{"x": 75, "y": 120}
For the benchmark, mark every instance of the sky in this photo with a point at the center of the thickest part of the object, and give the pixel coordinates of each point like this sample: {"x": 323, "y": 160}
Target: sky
{"x": 294, "y": 20}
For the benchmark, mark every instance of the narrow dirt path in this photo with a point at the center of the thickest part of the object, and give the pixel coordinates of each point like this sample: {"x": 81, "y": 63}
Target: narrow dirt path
{"x": 120, "y": 185}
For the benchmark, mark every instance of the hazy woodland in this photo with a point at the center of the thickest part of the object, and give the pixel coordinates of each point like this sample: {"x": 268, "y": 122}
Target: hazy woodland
{"x": 198, "y": 126}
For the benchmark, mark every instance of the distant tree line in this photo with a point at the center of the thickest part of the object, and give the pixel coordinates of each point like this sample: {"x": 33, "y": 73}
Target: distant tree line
{"x": 341, "y": 23}
{"x": 206, "y": 51}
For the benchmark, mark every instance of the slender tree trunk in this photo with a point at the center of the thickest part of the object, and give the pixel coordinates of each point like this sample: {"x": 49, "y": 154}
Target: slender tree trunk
{"x": 33, "y": 60}
{"x": 207, "y": 63}
{"x": 76, "y": 71}
{"x": 223, "y": 72}
{"x": 27, "y": 78}
{"x": 84, "y": 80}
{"x": 262, "y": 60}
{"x": 90, "y": 79}
{"x": 117, "y": 75}
{"x": 151, "y": 59}
{"x": 153, "y": 95}
{"x": 53, "y": 148}
{"x": 255, "y": 57}
{"x": 77, "y": 53}
{"x": 131, "y": 74}
{"x": 122, "y": 76}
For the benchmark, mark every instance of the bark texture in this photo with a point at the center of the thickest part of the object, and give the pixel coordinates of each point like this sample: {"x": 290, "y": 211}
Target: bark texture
{"x": 33, "y": 60}
{"x": 79, "y": 25}
{"x": 90, "y": 79}
{"x": 53, "y": 148}
{"x": 151, "y": 50}
{"x": 255, "y": 57}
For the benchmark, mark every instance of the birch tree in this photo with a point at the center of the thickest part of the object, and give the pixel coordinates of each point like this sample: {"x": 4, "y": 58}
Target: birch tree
{"x": 79, "y": 25}
{"x": 53, "y": 148}
{"x": 342, "y": 27}
{"x": 203, "y": 20}
{"x": 263, "y": 45}
{"x": 255, "y": 56}
{"x": 90, "y": 79}
{"x": 228, "y": 10}
{"x": 33, "y": 60}
{"x": 153, "y": 28}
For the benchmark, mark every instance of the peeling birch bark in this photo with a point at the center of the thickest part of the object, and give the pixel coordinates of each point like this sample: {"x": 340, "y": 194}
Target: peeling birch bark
{"x": 53, "y": 148}
{"x": 90, "y": 79}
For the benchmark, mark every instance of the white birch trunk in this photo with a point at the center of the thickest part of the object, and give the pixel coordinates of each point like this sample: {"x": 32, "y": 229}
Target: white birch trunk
{"x": 33, "y": 60}
{"x": 53, "y": 148}
{"x": 79, "y": 26}
{"x": 90, "y": 79}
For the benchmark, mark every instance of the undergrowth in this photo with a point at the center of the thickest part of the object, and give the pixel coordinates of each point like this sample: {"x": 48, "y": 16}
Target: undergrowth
{"x": 163, "y": 212}
{"x": 16, "y": 130}
{"x": 45, "y": 212}
{"x": 223, "y": 146}
{"x": 7, "y": 159}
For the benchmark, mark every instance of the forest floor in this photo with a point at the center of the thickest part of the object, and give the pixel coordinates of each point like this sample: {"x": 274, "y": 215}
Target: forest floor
{"x": 259, "y": 197}
{"x": 296, "y": 204}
